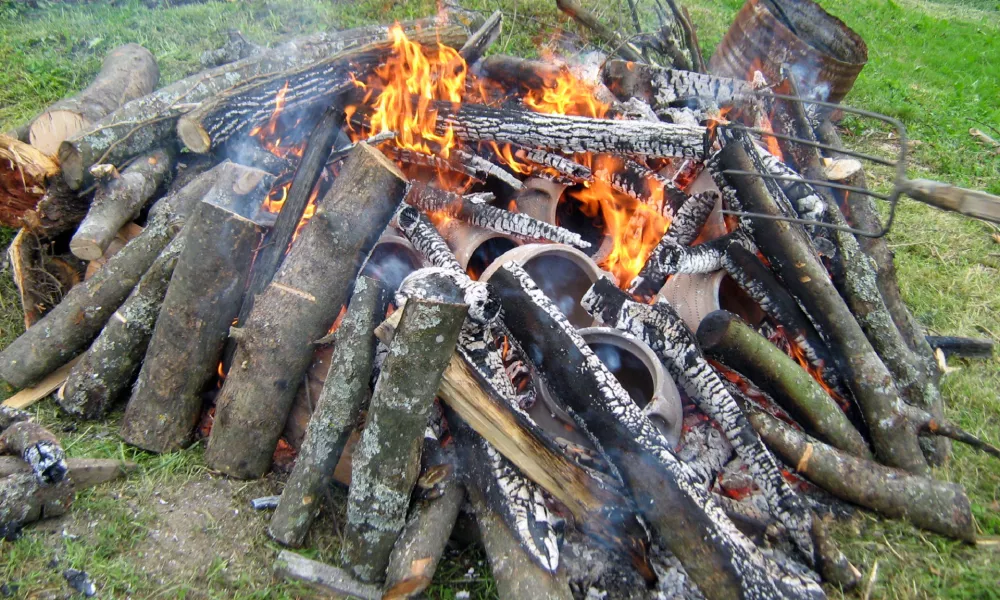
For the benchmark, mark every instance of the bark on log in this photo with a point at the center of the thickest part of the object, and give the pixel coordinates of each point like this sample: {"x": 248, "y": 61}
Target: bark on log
{"x": 37, "y": 447}
{"x": 763, "y": 287}
{"x": 276, "y": 243}
{"x": 128, "y": 72}
{"x": 83, "y": 472}
{"x": 478, "y": 123}
{"x": 146, "y": 123}
{"x": 721, "y": 561}
{"x": 69, "y": 327}
{"x": 724, "y": 336}
{"x": 480, "y": 41}
{"x": 336, "y": 414}
{"x": 107, "y": 370}
{"x": 521, "y": 73}
{"x": 247, "y": 150}
{"x": 665, "y": 332}
{"x": 119, "y": 201}
{"x": 299, "y": 306}
{"x": 59, "y": 210}
{"x": 326, "y": 578}
{"x": 237, "y": 47}
{"x": 10, "y": 415}
{"x": 24, "y": 175}
{"x": 786, "y": 246}
{"x": 418, "y": 550}
{"x": 201, "y": 301}
{"x": 938, "y": 506}
{"x": 23, "y": 500}
{"x": 516, "y": 575}
{"x": 387, "y": 461}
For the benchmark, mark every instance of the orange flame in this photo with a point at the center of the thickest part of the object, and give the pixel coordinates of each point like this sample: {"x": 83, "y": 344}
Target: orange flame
{"x": 269, "y": 134}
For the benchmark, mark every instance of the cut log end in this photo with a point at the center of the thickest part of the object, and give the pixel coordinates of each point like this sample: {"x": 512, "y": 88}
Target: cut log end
{"x": 193, "y": 135}
{"x": 87, "y": 249}
{"x": 50, "y": 129}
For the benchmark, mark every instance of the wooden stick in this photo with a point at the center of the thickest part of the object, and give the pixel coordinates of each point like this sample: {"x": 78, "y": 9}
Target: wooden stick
{"x": 480, "y": 41}
{"x": 327, "y": 578}
{"x": 298, "y": 307}
{"x": 386, "y": 462}
{"x": 335, "y": 416}
{"x": 664, "y": 89}
{"x": 83, "y": 472}
{"x": 960, "y": 346}
{"x": 607, "y": 35}
{"x": 201, "y": 301}
{"x": 724, "y": 336}
{"x": 42, "y": 389}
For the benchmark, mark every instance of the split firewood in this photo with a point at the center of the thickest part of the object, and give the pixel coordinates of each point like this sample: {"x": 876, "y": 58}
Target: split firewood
{"x": 118, "y": 200}
{"x": 304, "y": 181}
{"x": 787, "y": 248}
{"x": 609, "y": 36}
{"x": 24, "y": 175}
{"x": 421, "y": 544}
{"x": 387, "y": 460}
{"x": 203, "y": 297}
{"x": 724, "y": 336}
{"x": 148, "y": 122}
{"x": 237, "y": 47}
{"x": 82, "y": 472}
{"x": 38, "y": 447}
{"x": 763, "y": 287}
{"x": 517, "y": 576}
{"x": 335, "y": 417}
{"x": 105, "y": 373}
{"x": 565, "y": 133}
{"x": 662, "y": 329}
{"x": 326, "y": 578}
{"x": 299, "y": 306}
{"x": 128, "y": 72}
{"x": 720, "y": 560}
{"x": 477, "y": 212}
{"x": 477, "y": 44}
{"x": 937, "y": 506}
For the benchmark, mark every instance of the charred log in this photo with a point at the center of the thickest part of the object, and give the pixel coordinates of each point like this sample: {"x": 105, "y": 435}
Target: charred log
{"x": 664, "y": 89}
{"x": 38, "y": 447}
{"x": 638, "y": 182}
{"x": 670, "y": 258}
{"x": 691, "y": 217}
{"x": 477, "y": 44}
{"x": 237, "y": 47}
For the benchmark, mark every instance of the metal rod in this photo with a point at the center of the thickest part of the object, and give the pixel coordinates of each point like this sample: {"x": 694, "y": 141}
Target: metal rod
{"x": 829, "y": 184}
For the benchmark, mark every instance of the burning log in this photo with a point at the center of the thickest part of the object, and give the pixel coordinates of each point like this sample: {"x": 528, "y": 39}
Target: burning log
{"x": 763, "y": 287}
{"x": 432, "y": 162}
{"x": 38, "y": 447}
{"x": 275, "y": 245}
{"x": 128, "y": 72}
{"x": 387, "y": 461}
{"x": 69, "y": 327}
{"x": 24, "y": 175}
{"x": 563, "y": 133}
{"x": 109, "y": 367}
{"x": 938, "y": 506}
{"x": 787, "y": 247}
{"x": 146, "y": 123}
{"x": 477, "y": 212}
{"x": 671, "y": 258}
{"x": 665, "y": 333}
{"x": 612, "y": 38}
{"x": 724, "y": 336}
{"x": 482, "y": 39}
{"x": 483, "y": 168}
{"x": 691, "y": 217}
{"x": 299, "y": 306}
{"x": 636, "y": 181}
{"x": 118, "y": 200}
{"x": 324, "y": 577}
{"x": 203, "y": 297}
{"x": 420, "y": 545}
{"x": 570, "y": 170}
{"x": 336, "y": 414}
{"x": 719, "y": 559}
{"x": 520, "y": 73}
{"x": 517, "y": 576}
{"x": 664, "y": 89}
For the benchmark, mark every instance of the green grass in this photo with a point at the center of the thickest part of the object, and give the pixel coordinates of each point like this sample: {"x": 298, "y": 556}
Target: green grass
{"x": 932, "y": 64}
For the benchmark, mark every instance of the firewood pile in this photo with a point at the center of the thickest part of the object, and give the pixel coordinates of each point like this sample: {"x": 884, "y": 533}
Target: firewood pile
{"x": 480, "y": 286}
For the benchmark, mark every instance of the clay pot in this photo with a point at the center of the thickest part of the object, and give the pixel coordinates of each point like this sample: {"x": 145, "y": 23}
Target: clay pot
{"x": 695, "y": 296}
{"x": 392, "y": 259}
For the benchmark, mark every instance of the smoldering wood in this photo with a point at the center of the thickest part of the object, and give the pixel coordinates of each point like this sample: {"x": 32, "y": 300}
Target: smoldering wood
{"x": 38, "y": 447}
{"x": 938, "y": 506}
{"x": 147, "y": 122}
{"x": 612, "y": 38}
{"x": 297, "y": 307}
{"x": 477, "y": 212}
{"x": 201, "y": 301}
{"x": 641, "y": 183}
{"x": 480, "y": 41}
{"x": 431, "y": 161}
{"x": 277, "y": 240}
{"x": 236, "y": 47}
{"x": 23, "y": 500}
{"x": 761, "y": 285}
{"x": 24, "y": 175}
{"x": 719, "y": 559}
{"x": 664, "y": 88}
{"x": 806, "y": 200}
{"x": 691, "y": 217}
{"x": 961, "y": 346}
{"x": 118, "y": 201}
{"x": 724, "y": 336}
{"x": 518, "y": 72}
{"x": 662, "y": 329}
{"x": 387, "y": 460}
{"x": 106, "y": 371}
{"x": 420, "y": 545}
{"x": 786, "y": 247}
{"x": 69, "y": 327}
{"x": 484, "y": 168}
{"x": 326, "y": 578}
{"x": 564, "y": 133}
{"x": 670, "y": 258}
{"x": 517, "y": 576}
{"x": 247, "y": 150}
{"x": 565, "y": 167}
{"x": 128, "y": 72}
{"x": 83, "y": 472}
{"x": 336, "y": 415}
